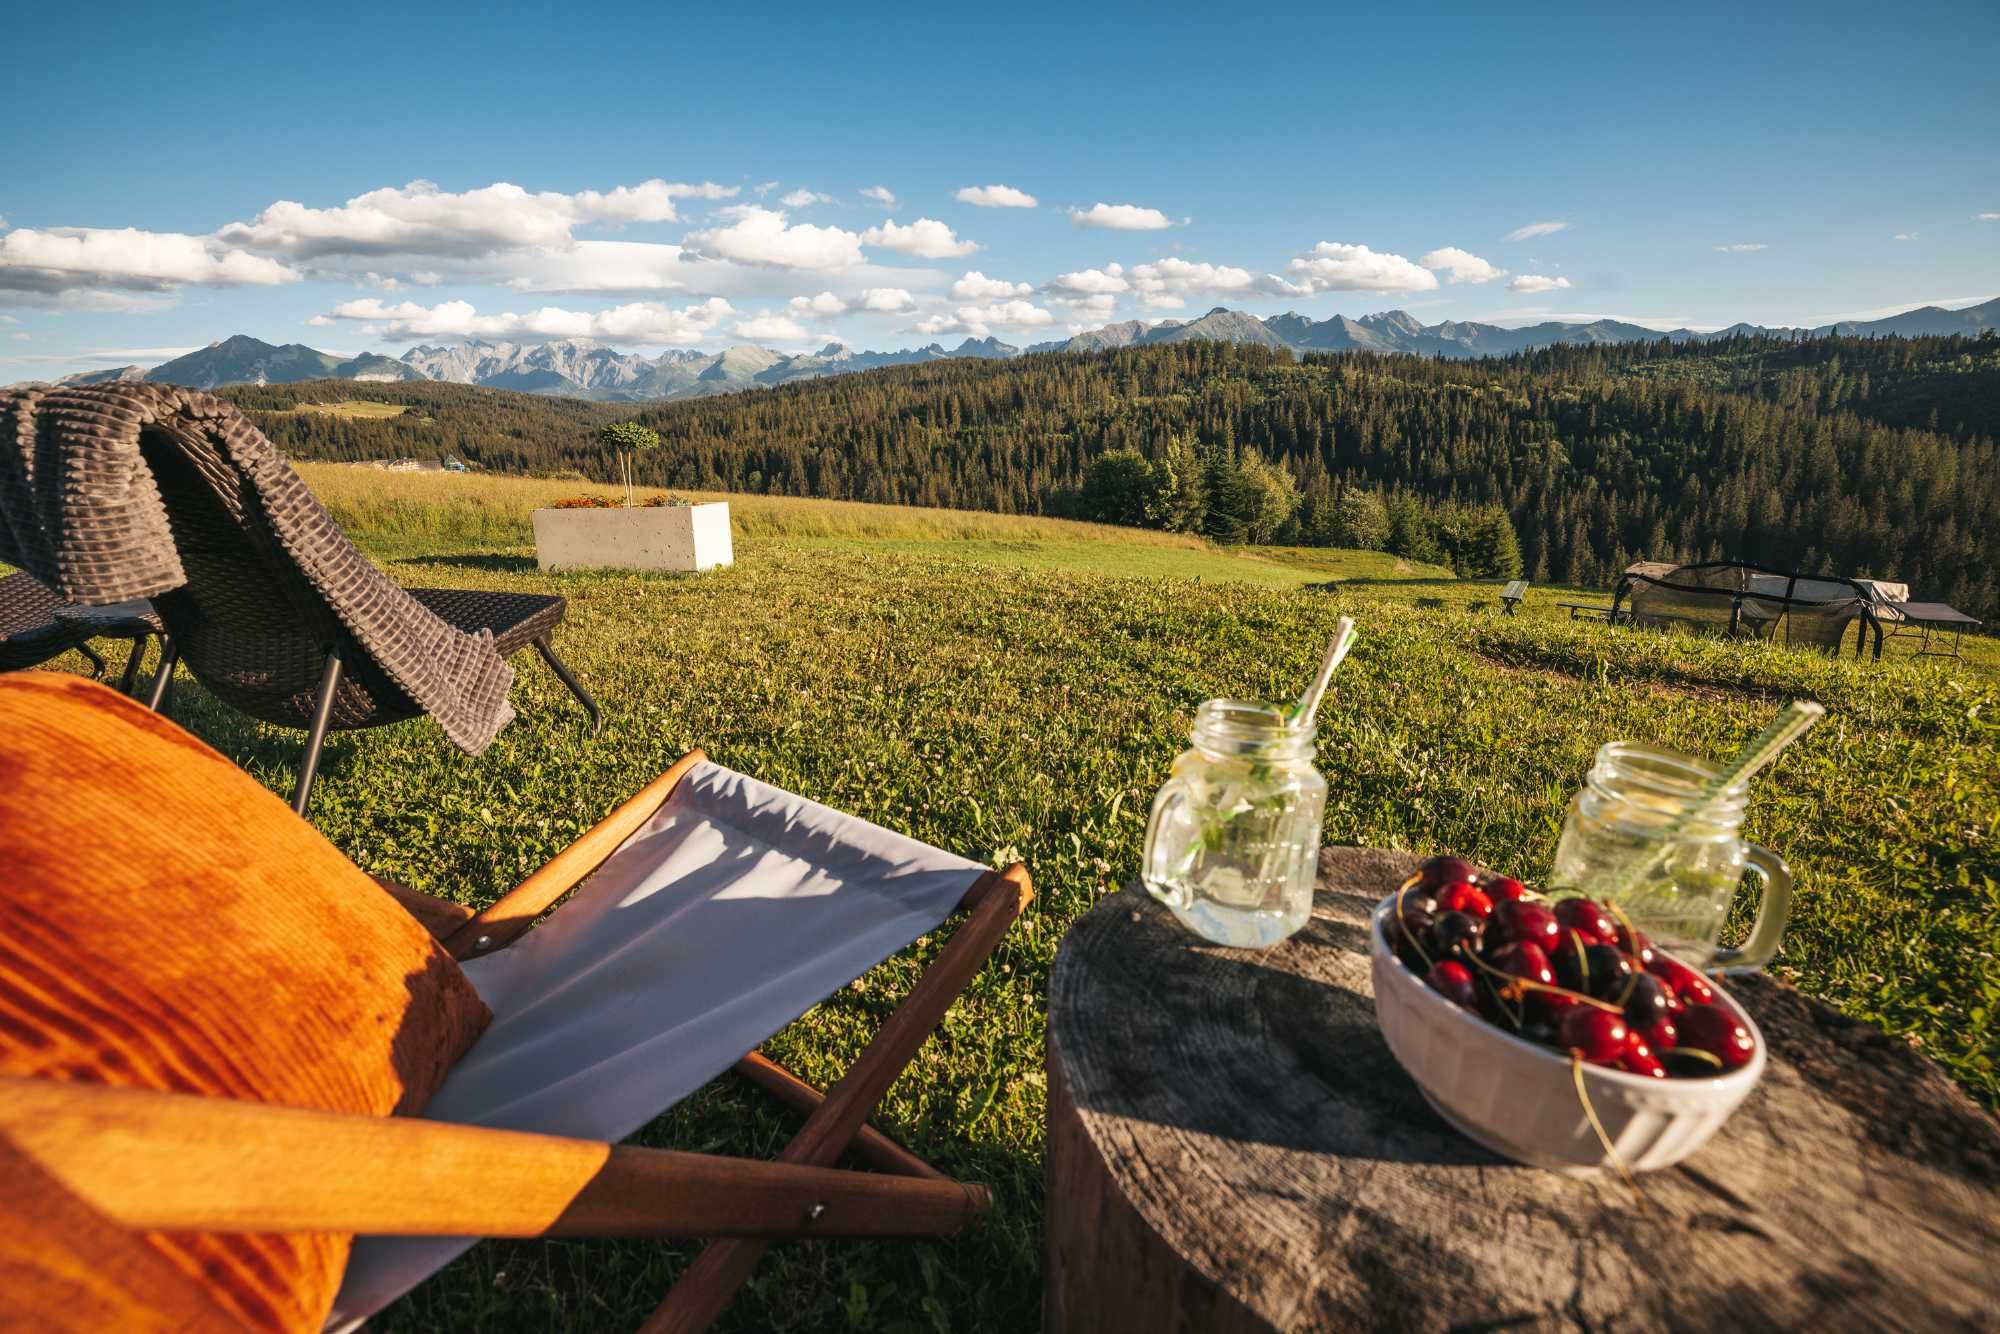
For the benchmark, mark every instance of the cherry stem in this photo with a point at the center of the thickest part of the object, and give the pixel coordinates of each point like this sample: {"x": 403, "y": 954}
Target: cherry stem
{"x": 1590, "y": 1114}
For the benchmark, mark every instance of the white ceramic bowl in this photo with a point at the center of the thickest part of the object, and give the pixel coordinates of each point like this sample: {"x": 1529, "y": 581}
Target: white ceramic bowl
{"x": 1519, "y": 1099}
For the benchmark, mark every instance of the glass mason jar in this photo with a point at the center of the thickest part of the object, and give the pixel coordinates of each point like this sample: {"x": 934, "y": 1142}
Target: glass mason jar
{"x": 1233, "y": 842}
{"x": 1626, "y": 811}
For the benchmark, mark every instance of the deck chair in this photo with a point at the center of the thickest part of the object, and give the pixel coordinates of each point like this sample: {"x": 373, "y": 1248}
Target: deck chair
{"x": 707, "y": 912}
{"x": 263, "y": 597}
{"x": 30, "y": 631}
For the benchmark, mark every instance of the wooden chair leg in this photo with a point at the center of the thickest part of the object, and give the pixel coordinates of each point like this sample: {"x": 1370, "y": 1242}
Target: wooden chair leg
{"x": 871, "y": 1144}
{"x": 723, "y": 1267}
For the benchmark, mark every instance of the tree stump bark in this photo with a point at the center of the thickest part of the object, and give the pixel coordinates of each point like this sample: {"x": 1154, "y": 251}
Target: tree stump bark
{"x": 1232, "y": 1147}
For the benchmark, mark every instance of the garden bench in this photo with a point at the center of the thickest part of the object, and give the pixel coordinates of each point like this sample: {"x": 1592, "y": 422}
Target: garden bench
{"x": 1511, "y": 595}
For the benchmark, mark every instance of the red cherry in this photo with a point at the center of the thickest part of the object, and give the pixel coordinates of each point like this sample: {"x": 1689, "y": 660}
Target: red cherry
{"x": 1634, "y": 943}
{"x": 1598, "y": 1035}
{"x": 1691, "y": 987}
{"x": 1660, "y": 1035}
{"x": 1453, "y": 981}
{"x": 1505, "y": 887}
{"x": 1638, "y": 1059}
{"x": 1521, "y": 958}
{"x": 1712, "y": 1029}
{"x": 1518, "y": 919}
{"x": 1441, "y": 871}
{"x": 1462, "y": 896}
{"x": 1587, "y": 918}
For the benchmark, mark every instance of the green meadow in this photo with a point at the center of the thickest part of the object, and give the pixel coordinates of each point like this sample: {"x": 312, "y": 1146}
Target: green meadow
{"x": 1013, "y": 687}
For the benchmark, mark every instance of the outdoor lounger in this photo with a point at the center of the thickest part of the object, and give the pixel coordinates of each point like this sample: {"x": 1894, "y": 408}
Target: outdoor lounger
{"x": 121, "y": 491}
{"x": 709, "y": 911}
{"x": 30, "y": 631}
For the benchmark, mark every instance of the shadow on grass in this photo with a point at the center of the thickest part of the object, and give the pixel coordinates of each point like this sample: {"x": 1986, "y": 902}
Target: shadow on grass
{"x": 479, "y": 561}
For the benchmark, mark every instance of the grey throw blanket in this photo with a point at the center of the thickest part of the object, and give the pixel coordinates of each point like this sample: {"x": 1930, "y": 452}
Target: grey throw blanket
{"x": 80, "y": 511}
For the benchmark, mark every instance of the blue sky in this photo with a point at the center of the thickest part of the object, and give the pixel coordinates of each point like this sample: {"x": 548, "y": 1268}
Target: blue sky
{"x": 173, "y": 176}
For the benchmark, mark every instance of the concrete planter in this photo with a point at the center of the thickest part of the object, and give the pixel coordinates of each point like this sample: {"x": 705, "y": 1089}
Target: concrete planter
{"x": 664, "y": 537}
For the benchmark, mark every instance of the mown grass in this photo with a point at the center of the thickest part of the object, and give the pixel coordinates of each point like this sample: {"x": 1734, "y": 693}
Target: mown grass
{"x": 354, "y": 407}
{"x": 1003, "y": 711}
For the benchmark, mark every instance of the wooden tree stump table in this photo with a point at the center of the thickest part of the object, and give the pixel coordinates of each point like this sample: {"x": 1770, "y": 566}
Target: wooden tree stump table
{"x": 1232, "y": 1147}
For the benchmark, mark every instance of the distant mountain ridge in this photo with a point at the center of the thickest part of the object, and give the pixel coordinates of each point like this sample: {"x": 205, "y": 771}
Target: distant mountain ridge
{"x": 580, "y": 368}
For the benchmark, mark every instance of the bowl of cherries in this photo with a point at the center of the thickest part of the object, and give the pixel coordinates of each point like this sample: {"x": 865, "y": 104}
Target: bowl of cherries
{"x": 1521, "y": 1017}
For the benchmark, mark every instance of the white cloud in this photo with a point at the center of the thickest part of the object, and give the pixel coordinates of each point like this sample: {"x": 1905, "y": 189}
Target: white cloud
{"x": 1090, "y": 282}
{"x": 1332, "y": 266}
{"x": 878, "y": 300}
{"x": 1120, "y": 218}
{"x": 769, "y": 325}
{"x": 23, "y": 338}
{"x": 1167, "y": 283}
{"x": 763, "y": 188}
{"x": 805, "y": 199}
{"x": 976, "y": 286}
{"x": 117, "y": 356}
{"x": 1906, "y": 236}
{"x": 980, "y": 321}
{"x": 881, "y": 194}
{"x": 421, "y": 219}
{"x": 1099, "y": 305}
{"x": 826, "y": 305}
{"x": 1463, "y": 266}
{"x": 1988, "y": 217}
{"x": 75, "y": 259}
{"x": 638, "y": 322}
{"x": 760, "y": 236}
{"x": 926, "y": 237}
{"x": 1537, "y": 282}
{"x": 1534, "y": 229}
{"x": 1742, "y": 248}
{"x": 996, "y": 196}
{"x": 887, "y": 300}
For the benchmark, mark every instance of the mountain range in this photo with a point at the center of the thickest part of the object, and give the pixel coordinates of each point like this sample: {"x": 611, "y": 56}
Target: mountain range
{"x": 580, "y": 368}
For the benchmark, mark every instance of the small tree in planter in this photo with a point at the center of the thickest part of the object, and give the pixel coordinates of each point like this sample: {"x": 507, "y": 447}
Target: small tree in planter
{"x": 626, "y": 440}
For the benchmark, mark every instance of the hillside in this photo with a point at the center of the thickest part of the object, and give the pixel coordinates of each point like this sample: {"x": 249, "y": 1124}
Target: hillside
{"x": 1872, "y": 457}
{"x": 1000, "y": 710}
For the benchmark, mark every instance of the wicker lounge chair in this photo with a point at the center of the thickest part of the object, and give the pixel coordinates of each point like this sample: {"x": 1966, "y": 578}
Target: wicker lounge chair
{"x": 264, "y": 598}
{"x": 712, "y": 911}
{"x": 30, "y": 631}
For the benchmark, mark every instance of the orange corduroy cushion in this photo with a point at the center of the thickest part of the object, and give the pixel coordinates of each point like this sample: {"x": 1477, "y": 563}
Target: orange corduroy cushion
{"x": 167, "y": 923}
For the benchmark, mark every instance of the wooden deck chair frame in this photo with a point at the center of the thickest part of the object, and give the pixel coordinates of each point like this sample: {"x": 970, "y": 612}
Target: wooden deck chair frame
{"x": 169, "y": 1161}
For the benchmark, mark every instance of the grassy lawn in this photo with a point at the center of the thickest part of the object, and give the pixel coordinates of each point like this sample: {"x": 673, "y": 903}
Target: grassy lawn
{"x": 353, "y": 407}
{"x": 1012, "y": 687}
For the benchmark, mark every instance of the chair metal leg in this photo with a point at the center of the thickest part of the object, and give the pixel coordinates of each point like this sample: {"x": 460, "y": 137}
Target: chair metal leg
{"x": 329, "y": 686}
{"x": 163, "y": 675}
{"x": 133, "y": 661}
{"x": 96, "y": 662}
{"x": 575, "y": 686}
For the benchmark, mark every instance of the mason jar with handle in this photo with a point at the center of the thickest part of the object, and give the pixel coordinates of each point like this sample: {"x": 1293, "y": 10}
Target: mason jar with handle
{"x": 1233, "y": 842}
{"x": 1634, "y": 805}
